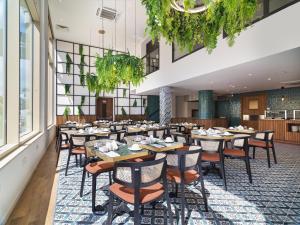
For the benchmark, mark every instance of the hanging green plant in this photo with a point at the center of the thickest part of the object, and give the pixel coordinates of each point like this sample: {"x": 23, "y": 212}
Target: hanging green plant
{"x": 123, "y": 111}
{"x": 113, "y": 70}
{"x": 82, "y": 100}
{"x": 67, "y": 88}
{"x": 134, "y": 103}
{"x": 124, "y": 92}
{"x": 146, "y": 111}
{"x": 144, "y": 102}
{"x": 67, "y": 112}
{"x": 79, "y": 110}
{"x": 190, "y": 29}
{"x": 81, "y": 75}
{"x": 68, "y": 64}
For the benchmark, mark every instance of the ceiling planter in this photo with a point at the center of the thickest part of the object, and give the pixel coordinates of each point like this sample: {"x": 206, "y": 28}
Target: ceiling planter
{"x": 193, "y": 22}
{"x": 114, "y": 70}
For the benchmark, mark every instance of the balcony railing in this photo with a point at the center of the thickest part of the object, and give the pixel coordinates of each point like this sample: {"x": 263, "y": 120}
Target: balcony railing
{"x": 151, "y": 61}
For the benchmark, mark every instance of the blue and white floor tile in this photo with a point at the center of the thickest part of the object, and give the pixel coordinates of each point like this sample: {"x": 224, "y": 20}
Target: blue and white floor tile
{"x": 273, "y": 198}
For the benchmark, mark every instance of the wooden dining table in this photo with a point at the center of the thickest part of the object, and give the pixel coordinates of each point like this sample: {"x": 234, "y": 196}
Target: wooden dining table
{"x": 218, "y": 137}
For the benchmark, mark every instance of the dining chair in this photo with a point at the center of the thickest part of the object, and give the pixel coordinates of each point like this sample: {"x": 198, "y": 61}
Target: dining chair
{"x": 264, "y": 140}
{"x": 182, "y": 169}
{"x": 77, "y": 147}
{"x": 139, "y": 184}
{"x": 212, "y": 152}
{"x": 240, "y": 150}
{"x": 181, "y": 138}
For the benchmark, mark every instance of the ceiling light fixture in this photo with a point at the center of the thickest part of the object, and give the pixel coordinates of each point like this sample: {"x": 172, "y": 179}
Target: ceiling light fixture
{"x": 250, "y": 74}
{"x": 269, "y": 78}
{"x": 179, "y": 6}
{"x": 282, "y": 97}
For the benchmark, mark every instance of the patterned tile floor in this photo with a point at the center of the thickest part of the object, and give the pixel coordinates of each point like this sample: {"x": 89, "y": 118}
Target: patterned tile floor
{"x": 273, "y": 198}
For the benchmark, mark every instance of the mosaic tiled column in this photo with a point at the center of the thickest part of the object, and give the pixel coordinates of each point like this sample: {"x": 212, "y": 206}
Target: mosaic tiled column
{"x": 165, "y": 100}
{"x": 206, "y": 104}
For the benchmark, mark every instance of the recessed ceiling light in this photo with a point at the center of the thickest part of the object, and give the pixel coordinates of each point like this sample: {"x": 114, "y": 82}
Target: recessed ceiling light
{"x": 250, "y": 74}
{"x": 245, "y": 87}
{"x": 269, "y": 78}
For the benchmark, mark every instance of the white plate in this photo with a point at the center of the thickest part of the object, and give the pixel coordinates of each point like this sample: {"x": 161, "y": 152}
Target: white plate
{"x": 169, "y": 141}
{"x": 134, "y": 149}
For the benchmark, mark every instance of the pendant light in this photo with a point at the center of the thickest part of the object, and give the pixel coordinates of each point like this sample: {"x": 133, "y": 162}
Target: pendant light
{"x": 179, "y": 6}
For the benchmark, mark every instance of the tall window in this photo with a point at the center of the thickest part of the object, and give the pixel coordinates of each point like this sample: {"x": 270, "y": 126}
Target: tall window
{"x": 26, "y": 70}
{"x": 2, "y": 71}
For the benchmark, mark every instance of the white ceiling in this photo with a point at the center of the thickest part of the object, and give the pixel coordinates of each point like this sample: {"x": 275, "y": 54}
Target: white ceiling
{"x": 80, "y": 17}
{"x": 263, "y": 74}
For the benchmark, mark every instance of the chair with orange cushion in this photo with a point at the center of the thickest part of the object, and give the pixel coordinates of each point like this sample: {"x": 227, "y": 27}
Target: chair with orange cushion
{"x": 212, "y": 152}
{"x": 264, "y": 140}
{"x": 182, "y": 169}
{"x": 77, "y": 147}
{"x": 240, "y": 150}
{"x": 139, "y": 184}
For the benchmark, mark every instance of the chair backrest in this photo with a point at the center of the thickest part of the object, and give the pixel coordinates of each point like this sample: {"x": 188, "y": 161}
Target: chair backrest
{"x": 80, "y": 139}
{"x": 183, "y": 160}
{"x": 140, "y": 174}
{"x": 240, "y": 142}
{"x": 210, "y": 145}
{"x": 160, "y": 133}
{"x": 129, "y": 140}
{"x": 264, "y": 135}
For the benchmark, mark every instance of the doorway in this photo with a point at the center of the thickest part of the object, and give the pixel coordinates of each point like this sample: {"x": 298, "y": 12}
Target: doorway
{"x": 104, "y": 108}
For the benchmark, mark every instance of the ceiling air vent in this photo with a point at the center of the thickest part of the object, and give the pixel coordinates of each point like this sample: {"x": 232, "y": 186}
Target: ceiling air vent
{"x": 62, "y": 27}
{"x": 291, "y": 83}
{"x": 107, "y": 13}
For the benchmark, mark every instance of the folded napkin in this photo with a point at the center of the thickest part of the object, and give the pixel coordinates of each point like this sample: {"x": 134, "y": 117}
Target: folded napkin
{"x": 112, "y": 154}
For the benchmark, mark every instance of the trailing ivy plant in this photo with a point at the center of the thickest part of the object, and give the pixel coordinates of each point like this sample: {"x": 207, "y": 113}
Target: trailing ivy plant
{"x": 82, "y": 100}
{"x": 68, "y": 64}
{"x": 124, "y": 92}
{"x": 67, "y": 112}
{"x": 134, "y": 103}
{"x": 81, "y": 66}
{"x": 80, "y": 112}
{"x": 113, "y": 70}
{"x": 67, "y": 88}
{"x": 188, "y": 30}
{"x": 123, "y": 111}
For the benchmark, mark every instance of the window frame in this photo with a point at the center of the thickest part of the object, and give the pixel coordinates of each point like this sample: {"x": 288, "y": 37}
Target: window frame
{"x": 27, "y": 135}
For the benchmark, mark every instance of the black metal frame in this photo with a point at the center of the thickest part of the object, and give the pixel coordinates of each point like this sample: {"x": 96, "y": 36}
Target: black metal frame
{"x": 147, "y": 58}
{"x": 90, "y": 96}
{"x": 182, "y": 168}
{"x": 136, "y": 185}
{"x": 269, "y": 143}
{"x": 266, "y": 13}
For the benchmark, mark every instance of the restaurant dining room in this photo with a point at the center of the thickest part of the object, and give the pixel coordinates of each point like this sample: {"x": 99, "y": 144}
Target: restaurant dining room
{"x": 148, "y": 112}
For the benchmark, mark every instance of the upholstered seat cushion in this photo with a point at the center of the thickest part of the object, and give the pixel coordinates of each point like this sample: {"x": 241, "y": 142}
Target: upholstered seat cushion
{"x": 65, "y": 146}
{"x": 78, "y": 150}
{"x": 234, "y": 152}
{"x": 147, "y": 194}
{"x": 189, "y": 176}
{"x": 257, "y": 143}
{"x": 210, "y": 157}
{"x": 99, "y": 167}
{"x": 143, "y": 158}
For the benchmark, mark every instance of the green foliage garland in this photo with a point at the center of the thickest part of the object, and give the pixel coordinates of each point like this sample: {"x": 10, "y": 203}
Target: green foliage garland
{"x": 134, "y": 103}
{"x": 80, "y": 112}
{"x": 81, "y": 66}
{"x": 123, "y": 111}
{"x": 124, "y": 92}
{"x": 113, "y": 70}
{"x": 68, "y": 64}
{"x": 188, "y": 30}
{"x": 67, "y": 112}
{"x": 82, "y": 100}
{"x": 67, "y": 88}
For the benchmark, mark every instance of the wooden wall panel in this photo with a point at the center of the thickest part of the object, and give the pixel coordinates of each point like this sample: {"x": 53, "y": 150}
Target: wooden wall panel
{"x": 86, "y": 118}
{"x": 262, "y": 104}
{"x": 132, "y": 117}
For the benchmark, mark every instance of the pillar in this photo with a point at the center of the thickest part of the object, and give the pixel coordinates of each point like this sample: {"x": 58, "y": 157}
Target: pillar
{"x": 206, "y": 104}
{"x": 165, "y": 101}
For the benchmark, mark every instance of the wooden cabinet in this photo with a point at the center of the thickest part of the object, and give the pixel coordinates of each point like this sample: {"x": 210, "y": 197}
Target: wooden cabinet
{"x": 282, "y": 129}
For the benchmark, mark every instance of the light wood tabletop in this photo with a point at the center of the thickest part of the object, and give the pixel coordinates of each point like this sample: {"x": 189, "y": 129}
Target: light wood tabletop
{"x": 123, "y": 153}
{"x": 162, "y": 147}
{"x": 218, "y": 137}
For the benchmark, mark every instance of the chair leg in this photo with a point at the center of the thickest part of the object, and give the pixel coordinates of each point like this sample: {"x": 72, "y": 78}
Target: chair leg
{"x": 67, "y": 167}
{"x": 82, "y": 181}
{"x": 110, "y": 209}
{"x": 274, "y": 154}
{"x": 58, "y": 155}
{"x": 137, "y": 219}
{"x": 176, "y": 190}
{"x": 76, "y": 160}
{"x": 203, "y": 193}
{"x": 182, "y": 203}
{"x": 94, "y": 180}
{"x": 109, "y": 177}
{"x": 253, "y": 153}
{"x": 169, "y": 207}
{"x": 223, "y": 173}
{"x": 248, "y": 169}
{"x": 268, "y": 156}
